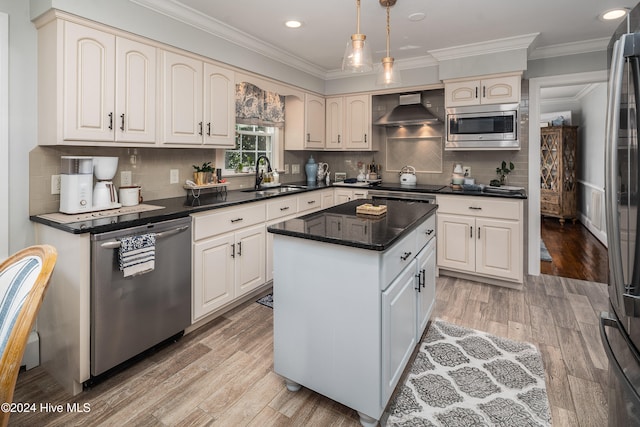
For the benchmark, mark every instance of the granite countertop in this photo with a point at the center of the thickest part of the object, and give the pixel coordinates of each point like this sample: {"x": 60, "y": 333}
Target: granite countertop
{"x": 355, "y": 230}
{"x": 179, "y": 207}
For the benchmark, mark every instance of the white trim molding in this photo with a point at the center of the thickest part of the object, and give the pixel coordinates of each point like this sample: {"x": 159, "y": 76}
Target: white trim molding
{"x": 483, "y": 48}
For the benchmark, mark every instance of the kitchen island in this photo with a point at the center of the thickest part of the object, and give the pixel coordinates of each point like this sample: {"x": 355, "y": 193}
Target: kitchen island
{"x": 352, "y": 298}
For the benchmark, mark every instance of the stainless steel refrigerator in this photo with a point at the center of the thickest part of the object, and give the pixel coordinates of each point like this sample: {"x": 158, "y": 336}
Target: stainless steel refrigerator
{"x": 620, "y": 327}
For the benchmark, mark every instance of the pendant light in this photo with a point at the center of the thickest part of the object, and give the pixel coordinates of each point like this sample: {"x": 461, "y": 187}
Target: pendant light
{"x": 357, "y": 55}
{"x": 388, "y": 75}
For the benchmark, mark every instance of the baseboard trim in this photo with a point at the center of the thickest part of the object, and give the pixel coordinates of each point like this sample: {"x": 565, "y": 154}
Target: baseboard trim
{"x": 598, "y": 234}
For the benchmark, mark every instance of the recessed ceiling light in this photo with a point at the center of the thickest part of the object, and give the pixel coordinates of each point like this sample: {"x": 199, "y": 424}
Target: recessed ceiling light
{"x": 613, "y": 14}
{"x": 419, "y": 16}
{"x": 293, "y": 24}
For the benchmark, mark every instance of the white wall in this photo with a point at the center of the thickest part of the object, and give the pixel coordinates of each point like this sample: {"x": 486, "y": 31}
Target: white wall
{"x": 4, "y": 135}
{"x": 591, "y": 155}
{"x": 22, "y": 119}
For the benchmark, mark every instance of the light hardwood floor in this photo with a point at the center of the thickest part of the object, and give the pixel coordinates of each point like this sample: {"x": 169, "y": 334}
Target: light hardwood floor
{"x": 222, "y": 374}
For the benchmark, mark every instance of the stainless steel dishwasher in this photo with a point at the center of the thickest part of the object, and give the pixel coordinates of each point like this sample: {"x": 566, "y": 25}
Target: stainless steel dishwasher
{"x": 132, "y": 314}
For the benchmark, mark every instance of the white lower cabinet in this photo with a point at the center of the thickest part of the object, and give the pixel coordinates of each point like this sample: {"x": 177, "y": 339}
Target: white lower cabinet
{"x": 343, "y": 195}
{"x": 319, "y": 343}
{"x": 228, "y": 256}
{"x": 481, "y": 236}
{"x": 398, "y": 327}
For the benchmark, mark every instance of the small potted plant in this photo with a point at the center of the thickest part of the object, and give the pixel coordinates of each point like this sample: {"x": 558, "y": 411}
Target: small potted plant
{"x": 203, "y": 174}
{"x": 503, "y": 171}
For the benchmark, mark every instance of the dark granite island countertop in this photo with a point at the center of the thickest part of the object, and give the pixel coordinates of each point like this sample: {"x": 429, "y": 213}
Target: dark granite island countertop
{"x": 341, "y": 225}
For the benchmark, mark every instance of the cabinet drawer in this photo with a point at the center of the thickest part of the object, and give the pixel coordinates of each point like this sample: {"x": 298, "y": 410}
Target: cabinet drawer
{"x": 308, "y": 201}
{"x": 551, "y": 198}
{"x": 425, "y": 232}
{"x": 480, "y": 206}
{"x": 397, "y": 257}
{"x": 207, "y": 224}
{"x": 282, "y": 206}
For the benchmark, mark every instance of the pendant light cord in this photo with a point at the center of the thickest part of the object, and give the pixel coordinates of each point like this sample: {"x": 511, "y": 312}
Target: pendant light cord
{"x": 388, "y": 29}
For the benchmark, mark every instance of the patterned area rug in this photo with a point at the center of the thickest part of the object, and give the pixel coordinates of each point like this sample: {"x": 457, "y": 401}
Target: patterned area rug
{"x": 266, "y": 300}
{"x": 464, "y": 377}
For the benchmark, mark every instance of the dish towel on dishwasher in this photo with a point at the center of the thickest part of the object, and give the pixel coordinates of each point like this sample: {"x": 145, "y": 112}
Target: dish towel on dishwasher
{"x": 137, "y": 254}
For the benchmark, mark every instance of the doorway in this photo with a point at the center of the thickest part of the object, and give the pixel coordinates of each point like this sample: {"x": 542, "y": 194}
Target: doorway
{"x": 536, "y": 87}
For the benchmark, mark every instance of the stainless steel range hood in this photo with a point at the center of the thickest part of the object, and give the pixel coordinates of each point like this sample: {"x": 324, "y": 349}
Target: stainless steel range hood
{"x": 410, "y": 112}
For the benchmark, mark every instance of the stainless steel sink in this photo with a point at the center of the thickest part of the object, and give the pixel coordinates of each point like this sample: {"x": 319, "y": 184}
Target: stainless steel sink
{"x": 276, "y": 190}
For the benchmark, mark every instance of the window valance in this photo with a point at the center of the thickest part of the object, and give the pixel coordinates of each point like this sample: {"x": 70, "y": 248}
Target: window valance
{"x": 255, "y": 106}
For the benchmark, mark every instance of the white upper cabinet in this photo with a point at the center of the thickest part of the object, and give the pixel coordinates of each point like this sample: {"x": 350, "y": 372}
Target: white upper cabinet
{"x": 219, "y": 106}
{"x": 135, "y": 91}
{"x": 490, "y": 90}
{"x": 198, "y": 102}
{"x": 358, "y": 122}
{"x": 99, "y": 86}
{"x": 348, "y": 123}
{"x": 88, "y": 84}
{"x": 181, "y": 99}
{"x": 304, "y": 122}
{"x": 314, "y": 121}
{"x": 334, "y": 118}
{"x": 94, "y": 88}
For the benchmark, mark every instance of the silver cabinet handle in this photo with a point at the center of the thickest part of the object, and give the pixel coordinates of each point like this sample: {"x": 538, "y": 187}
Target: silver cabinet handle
{"x": 239, "y": 248}
{"x": 285, "y": 208}
{"x": 233, "y": 221}
{"x": 233, "y": 250}
{"x": 310, "y": 202}
{"x": 122, "y": 122}
{"x": 475, "y": 208}
{"x": 405, "y": 256}
{"x": 110, "y": 121}
{"x": 429, "y": 232}
{"x": 209, "y": 129}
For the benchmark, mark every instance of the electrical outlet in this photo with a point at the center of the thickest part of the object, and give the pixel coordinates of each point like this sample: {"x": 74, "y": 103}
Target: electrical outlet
{"x": 295, "y": 168}
{"x": 286, "y": 168}
{"x": 55, "y": 184}
{"x": 467, "y": 170}
{"x": 174, "y": 176}
{"x": 125, "y": 179}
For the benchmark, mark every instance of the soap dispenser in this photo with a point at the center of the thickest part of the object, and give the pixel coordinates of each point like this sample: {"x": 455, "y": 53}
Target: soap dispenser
{"x": 311, "y": 169}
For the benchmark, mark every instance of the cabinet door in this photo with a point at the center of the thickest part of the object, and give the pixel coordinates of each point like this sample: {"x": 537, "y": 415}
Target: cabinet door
{"x": 314, "y": 121}
{"x": 398, "y": 328}
{"x": 182, "y": 99}
{"x": 462, "y": 93}
{"x": 333, "y": 224}
{"x": 427, "y": 293}
{"x": 89, "y": 61}
{"x": 358, "y": 122}
{"x": 250, "y": 259}
{"x": 213, "y": 274}
{"x": 328, "y": 199}
{"x": 219, "y": 106}
{"x": 501, "y": 90}
{"x": 456, "y": 242}
{"x": 334, "y": 123}
{"x": 343, "y": 196}
{"x": 498, "y": 248}
{"x": 135, "y": 92}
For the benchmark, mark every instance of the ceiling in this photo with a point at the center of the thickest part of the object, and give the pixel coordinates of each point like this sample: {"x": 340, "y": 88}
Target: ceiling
{"x": 559, "y": 27}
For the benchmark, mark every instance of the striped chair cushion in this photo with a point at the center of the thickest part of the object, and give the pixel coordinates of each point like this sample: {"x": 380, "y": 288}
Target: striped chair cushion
{"x": 15, "y": 283}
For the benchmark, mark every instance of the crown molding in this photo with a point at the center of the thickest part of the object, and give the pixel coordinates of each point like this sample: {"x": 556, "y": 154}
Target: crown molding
{"x": 575, "y": 48}
{"x": 483, "y": 48}
{"x": 226, "y": 32}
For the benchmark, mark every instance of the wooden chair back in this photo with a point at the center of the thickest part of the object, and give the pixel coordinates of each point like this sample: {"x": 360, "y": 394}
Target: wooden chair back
{"x": 24, "y": 278}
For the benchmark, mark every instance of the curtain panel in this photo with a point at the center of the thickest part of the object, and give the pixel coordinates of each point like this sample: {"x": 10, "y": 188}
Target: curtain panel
{"x": 255, "y": 106}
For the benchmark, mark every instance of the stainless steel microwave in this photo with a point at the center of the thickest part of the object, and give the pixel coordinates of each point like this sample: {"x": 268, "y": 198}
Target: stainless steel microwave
{"x": 483, "y": 127}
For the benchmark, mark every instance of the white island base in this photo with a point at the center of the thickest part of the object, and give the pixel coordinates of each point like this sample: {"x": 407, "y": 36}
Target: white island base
{"x": 346, "y": 320}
